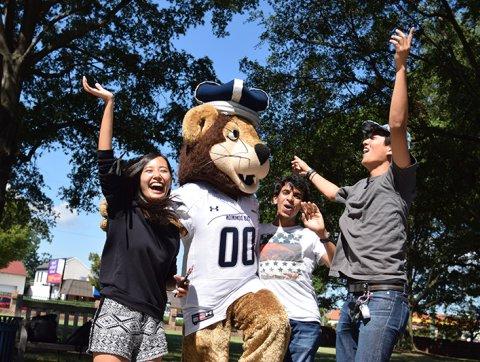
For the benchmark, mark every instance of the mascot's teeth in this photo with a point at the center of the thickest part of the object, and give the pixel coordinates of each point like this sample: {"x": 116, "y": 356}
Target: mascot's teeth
{"x": 248, "y": 180}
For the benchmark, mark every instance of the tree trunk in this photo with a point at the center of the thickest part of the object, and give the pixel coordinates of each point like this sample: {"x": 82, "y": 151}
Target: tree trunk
{"x": 8, "y": 136}
{"x": 9, "y": 125}
{"x": 409, "y": 343}
{"x": 405, "y": 342}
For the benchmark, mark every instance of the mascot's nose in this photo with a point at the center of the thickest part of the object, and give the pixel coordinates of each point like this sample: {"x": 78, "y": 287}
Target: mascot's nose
{"x": 263, "y": 153}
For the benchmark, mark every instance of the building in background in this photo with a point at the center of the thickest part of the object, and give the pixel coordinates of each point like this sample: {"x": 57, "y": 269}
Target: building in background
{"x": 40, "y": 289}
{"x": 77, "y": 290}
{"x": 50, "y": 277}
{"x": 12, "y": 282}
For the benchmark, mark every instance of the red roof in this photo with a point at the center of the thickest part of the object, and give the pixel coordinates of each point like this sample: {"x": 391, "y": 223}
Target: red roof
{"x": 15, "y": 268}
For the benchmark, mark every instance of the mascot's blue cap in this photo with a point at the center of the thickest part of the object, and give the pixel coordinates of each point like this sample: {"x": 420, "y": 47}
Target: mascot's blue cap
{"x": 233, "y": 98}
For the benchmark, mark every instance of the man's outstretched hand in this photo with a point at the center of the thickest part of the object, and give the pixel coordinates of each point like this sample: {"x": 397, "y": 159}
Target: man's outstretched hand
{"x": 402, "y": 43}
{"x": 312, "y": 218}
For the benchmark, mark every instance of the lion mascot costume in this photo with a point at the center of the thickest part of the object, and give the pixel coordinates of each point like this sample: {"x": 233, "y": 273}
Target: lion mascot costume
{"x": 222, "y": 161}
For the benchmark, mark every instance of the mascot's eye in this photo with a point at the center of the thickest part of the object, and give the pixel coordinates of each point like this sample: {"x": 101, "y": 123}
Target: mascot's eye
{"x": 233, "y": 134}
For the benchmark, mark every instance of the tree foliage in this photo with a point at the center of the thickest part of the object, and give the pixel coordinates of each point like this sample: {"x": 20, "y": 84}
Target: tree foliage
{"x": 33, "y": 259}
{"x": 330, "y": 68}
{"x": 469, "y": 319}
{"x": 21, "y": 230}
{"x": 45, "y": 48}
{"x": 94, "y": 278}
{"x": 465, "y": 324}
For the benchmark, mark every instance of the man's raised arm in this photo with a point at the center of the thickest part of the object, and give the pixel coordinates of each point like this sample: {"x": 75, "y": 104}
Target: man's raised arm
{"x": 399, "y": 106}
{"x": 327, "y": 188}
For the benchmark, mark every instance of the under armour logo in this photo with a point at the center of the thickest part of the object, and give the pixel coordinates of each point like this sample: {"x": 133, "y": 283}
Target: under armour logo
{"x": 213, "y": 208}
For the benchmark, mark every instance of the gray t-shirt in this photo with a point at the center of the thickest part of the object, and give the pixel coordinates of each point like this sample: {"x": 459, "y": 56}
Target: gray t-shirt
{"x": 373, "y": 226}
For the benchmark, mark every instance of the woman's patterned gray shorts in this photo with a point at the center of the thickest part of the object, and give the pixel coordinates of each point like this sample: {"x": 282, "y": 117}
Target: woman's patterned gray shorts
{"x": 124, "y": 332}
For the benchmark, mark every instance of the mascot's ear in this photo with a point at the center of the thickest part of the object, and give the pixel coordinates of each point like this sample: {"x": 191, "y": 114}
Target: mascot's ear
{"x": 197, "y": 121}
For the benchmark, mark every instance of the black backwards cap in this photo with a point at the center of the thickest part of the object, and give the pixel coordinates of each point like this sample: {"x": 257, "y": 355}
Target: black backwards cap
{"x": 233, "y": 98}
{"x": 369, "y": 127}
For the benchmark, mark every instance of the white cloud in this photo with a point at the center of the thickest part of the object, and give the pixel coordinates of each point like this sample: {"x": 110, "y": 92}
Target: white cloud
{"x": 64, "y": 215}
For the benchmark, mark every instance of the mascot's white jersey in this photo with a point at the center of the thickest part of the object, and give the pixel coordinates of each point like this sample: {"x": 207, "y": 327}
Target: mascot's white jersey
{"x": 221, "y": 245}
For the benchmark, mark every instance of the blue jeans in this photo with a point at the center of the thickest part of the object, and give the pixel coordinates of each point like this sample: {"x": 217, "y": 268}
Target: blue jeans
{"x": 304, "y": 341}
{"x": 373, "y": 339}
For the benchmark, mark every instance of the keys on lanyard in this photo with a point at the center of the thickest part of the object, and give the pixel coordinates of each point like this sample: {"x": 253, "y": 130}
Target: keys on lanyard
{"x": 361, "y": 310}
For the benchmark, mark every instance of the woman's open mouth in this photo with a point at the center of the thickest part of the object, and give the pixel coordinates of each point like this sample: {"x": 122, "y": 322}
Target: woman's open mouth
{"x": 157, "y": 187}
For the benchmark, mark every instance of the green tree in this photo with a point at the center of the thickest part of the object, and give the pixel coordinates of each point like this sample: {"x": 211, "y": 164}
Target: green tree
{"x": 463, "y": 321}
{"x": 468, "y": 318}
{"x": 45, "y": 48}
{"x": 94, "y": 278}
{"x": 330, "y": 68}
{"x": 32, "y": 260}
{"x": 21, "y": 230}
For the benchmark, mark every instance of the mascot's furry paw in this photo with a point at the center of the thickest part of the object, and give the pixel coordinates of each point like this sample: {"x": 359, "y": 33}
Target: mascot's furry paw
{"x": 103, "y": 208}
{"x": 104, "y": 225}
{"x": 103, "y": 211}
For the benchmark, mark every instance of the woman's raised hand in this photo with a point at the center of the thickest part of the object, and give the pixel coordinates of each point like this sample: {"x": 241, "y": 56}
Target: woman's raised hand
{"x": 98, "y": 91}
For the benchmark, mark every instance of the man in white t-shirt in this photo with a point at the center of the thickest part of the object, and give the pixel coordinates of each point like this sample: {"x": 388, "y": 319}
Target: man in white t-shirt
{"x": 289, "y": 254}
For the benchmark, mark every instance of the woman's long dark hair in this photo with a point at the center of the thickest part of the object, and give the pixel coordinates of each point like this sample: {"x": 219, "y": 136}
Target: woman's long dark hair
{"x": 160, "y": 212}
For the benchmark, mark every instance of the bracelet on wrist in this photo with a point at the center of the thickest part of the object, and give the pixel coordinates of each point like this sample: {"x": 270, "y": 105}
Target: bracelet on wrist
{"x": 309, "y": 173}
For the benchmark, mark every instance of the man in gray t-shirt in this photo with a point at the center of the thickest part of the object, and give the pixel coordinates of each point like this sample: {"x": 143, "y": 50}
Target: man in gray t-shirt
{"x": 370, "y": 251}
{"x": 373, "y": 226}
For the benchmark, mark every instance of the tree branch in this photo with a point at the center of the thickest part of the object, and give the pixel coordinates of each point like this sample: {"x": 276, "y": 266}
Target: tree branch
{"x": 466, "y": 46}
{"x": 48, "y": 26}
{"x": 443, "y": 46}
{"x": 434, "y": 14}
{"x": 367, "y": 58}
{"x": 4, "y": 51}
{"x": 431, "y": 304}
{"x": 431, "y": 283}
{"x": 446, "y": 133}
{"x": 69, "y": 35}
{"x": 24, "y": 158}
{"x": 10, "y": 15}
{"x": 31, "y": 14}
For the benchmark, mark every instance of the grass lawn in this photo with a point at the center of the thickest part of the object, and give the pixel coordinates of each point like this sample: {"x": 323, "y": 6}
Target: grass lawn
{"x": 174, "y": 339}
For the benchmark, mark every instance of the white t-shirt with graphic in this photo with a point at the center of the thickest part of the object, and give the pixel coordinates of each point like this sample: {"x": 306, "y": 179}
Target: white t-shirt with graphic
{"x": 287, "y": 258}
{"x": 221, "y": 245}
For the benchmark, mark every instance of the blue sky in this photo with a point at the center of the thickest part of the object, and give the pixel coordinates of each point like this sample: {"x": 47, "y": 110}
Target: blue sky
{"x": 77, "y": 234}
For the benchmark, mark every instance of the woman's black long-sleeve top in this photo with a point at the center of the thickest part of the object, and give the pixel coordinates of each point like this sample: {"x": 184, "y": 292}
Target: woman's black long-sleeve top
{"x": 139, "y": 257}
